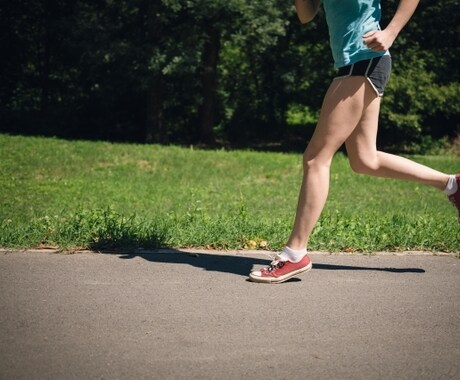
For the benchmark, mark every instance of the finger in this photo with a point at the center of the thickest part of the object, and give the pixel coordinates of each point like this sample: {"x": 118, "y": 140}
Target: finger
{"x": 375, "y": 46}
{"x": 369, "y": 42}
{"x": 369, "y": 34}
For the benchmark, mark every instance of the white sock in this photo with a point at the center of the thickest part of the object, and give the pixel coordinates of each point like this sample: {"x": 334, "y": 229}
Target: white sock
{"x": 451, "y": 187}
{"x": 292, "y": 255}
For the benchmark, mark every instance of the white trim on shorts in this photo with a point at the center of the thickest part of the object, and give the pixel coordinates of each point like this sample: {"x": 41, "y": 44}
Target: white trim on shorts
{"x": 365, "y": 75}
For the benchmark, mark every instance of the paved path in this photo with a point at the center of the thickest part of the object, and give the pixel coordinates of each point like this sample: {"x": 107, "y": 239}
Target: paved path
{"x": 174, "y": 315}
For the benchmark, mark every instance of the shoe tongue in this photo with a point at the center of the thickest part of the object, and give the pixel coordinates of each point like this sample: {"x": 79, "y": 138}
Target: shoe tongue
{"x": 278, "y": 257}
{"x": 282, "y": 256}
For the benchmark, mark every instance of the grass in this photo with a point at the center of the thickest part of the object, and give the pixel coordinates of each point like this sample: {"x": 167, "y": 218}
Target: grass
{"x": 97, "y": 195}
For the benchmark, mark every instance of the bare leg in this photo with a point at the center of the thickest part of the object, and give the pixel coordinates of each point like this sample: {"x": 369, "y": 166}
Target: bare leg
{"x": 343, "y": 106}
{"x": 349, "y": 114}
{"x": 365, "y": 159}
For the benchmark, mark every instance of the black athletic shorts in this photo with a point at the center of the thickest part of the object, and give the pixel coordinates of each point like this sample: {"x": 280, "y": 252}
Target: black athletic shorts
{"x": 376, "y": 70}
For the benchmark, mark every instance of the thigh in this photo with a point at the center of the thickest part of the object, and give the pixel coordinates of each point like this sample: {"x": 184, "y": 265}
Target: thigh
{"x": 362, "y": 142}
{"x": 342, "y": 110}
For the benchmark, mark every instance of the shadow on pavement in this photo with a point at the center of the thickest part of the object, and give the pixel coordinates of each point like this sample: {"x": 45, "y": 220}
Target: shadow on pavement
{"x": 240, "y": 265}
{"x": 347, "y": 267}
{"x": 237, "y": 264}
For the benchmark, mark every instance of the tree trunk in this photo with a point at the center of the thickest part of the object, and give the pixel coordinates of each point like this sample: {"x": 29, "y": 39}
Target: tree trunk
{"x": 210, "y": 59}
{"x": 45, "y": 64}
{"x": 154, "y": 127}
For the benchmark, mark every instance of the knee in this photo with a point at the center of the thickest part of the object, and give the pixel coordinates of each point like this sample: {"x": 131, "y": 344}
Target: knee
{"x": 313, "y": 162}
{"x": 363, "y": 165}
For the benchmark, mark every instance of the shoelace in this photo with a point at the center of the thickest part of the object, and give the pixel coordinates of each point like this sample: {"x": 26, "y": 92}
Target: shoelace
{"x": 275, "y": 264}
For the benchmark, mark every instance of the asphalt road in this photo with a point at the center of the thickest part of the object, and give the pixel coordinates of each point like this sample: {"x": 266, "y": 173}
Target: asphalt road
{"x": 175, "y": 315}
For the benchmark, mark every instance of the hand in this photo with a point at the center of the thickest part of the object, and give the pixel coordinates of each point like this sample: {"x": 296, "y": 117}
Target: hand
{"x": 378, "y": 40}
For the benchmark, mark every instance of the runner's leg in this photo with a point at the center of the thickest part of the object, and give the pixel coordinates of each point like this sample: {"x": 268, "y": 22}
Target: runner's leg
{"x": 344, "y": 103}
{"x": 366, "y": 159}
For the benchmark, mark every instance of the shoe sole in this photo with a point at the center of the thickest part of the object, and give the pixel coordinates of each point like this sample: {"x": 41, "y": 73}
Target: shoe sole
{"x": 278, "y": 280}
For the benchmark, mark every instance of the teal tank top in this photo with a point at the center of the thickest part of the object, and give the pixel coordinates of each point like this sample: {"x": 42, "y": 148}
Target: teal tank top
{"x": 348, "y": 21}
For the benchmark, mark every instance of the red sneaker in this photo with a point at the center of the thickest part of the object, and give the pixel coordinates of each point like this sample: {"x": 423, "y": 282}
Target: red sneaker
{"x": 455, "y": 198}
{"x": 280, "y": 271}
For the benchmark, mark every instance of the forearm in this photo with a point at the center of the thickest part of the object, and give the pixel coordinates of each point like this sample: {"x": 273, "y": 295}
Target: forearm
{"x": 404, "y": 12}
{"x": 382, "y": 40}
{"x": 306, "y": 9}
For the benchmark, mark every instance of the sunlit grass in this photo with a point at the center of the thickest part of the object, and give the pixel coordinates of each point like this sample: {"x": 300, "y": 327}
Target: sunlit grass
{"x": 100, "y": 195}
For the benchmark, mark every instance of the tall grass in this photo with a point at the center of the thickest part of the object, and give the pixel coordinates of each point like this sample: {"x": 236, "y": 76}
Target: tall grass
{"x": 96, "y": 195}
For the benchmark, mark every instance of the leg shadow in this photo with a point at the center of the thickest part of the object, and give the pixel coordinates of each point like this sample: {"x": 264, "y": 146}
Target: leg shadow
{"x": 239, "y": 265}
{"x": 347, "y": 267}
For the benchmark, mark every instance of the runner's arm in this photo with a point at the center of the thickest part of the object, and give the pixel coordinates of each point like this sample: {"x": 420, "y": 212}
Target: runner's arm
{"x": 381, "y": 40}
{"x": 307, "y": 9}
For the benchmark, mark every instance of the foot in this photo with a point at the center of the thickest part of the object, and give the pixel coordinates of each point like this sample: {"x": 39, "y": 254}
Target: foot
{"x": 455, "y": 198}
{"x": 280, "y": 271}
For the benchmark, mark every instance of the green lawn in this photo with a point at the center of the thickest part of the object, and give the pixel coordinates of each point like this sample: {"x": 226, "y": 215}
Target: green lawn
{"x": 100, "y": 195}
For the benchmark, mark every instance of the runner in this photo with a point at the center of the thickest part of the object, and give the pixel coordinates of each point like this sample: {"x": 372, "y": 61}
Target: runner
{"x": 349, "y": 115}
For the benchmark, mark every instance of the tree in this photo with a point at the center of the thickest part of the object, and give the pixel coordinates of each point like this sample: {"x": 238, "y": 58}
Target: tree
{"x": 197, "y": 71}
{"x": 418, "y": 102}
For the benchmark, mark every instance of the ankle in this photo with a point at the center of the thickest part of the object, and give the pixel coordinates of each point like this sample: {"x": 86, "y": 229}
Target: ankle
{"x": 293, "y": 255}
{"x": 451, "y": 186}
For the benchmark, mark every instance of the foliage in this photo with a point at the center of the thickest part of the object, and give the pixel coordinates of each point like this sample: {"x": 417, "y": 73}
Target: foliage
{"x": 189, "y": 71}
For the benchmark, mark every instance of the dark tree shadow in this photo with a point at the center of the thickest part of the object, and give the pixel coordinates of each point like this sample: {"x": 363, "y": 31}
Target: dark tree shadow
{"x": 236, "y": 264}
